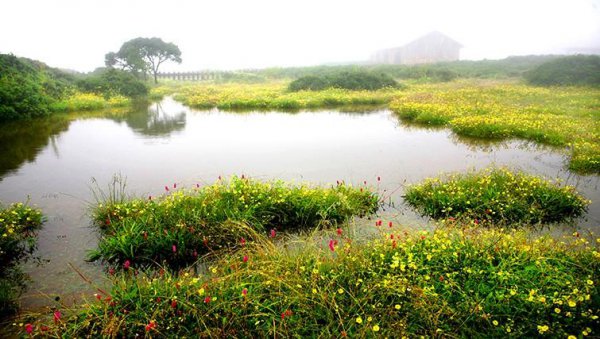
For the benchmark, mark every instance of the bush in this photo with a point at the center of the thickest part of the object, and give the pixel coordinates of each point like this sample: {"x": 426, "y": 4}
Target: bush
{"x": 351, "y": 80}
{"x": 571, "y": 70}
{"x": 28, "y": 88}
{"x": 496, "y": 195}
{"x": 449, "y": 283}
{"x": 111, "y": 82}
{"x": 182, "y": 225}
{"x": 18, "y": 226}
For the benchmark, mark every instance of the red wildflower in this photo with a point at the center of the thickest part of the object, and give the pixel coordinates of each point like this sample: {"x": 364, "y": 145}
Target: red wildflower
{"x": 107, "y": 221}
{"x": 243, "y": 241}
{"x": 206, "y": 300}
{"x": 28, "y": 328}
{"x": 111, "y": 271}
{"x": 174, "y": 304}
{"x": 393, "y": 243}
{"x": 391, "y": 236}
{"x": 390, "y": 224}
{"x": 99, "y": 297}
{"x": 378, "y": 178}
{"x": 244, "y": 292}
{"x": 158, "y": 299}
{"x": 174, "y": 249}
{"x": 44, "y": 328}
{"x": 167, "y": 188}
{"x": 331, "y": 245}
{"x": 273, "y": 233}
{"x": 339, "y": 231}
{"x": 57, "y": 316}
{"x": 175, "y": 185}
{"x": 365, "y": 182}
{"x": 441, "y": 278}
{"x": 150, "y": 326}
{"x": 245, "y": 258}
{"x": 195, "y": 254}
{"x": 126, "y": 264}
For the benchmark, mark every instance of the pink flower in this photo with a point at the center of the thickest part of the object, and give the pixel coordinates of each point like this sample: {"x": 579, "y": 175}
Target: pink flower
{"x": 28, "y": 328}
{"x": 339, "y": 231}
{"x": 244, "y": 292}
{"x": 126, "y": 264}
{"x": 245, "y": 258}
{"x": 378, "y": 178}
{"x": 167, "y": 188}
{"x": 273, "y": 233}
{"x": 57, "y": 316}
{"x": 243, "y": 241}
{"x": 331, "y": 245}
{"x": 174, "y": 249}
{"x": 111, "y": 271}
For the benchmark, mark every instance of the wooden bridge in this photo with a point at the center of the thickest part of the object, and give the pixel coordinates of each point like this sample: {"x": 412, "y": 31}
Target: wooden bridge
{"x": 201, "y": 75}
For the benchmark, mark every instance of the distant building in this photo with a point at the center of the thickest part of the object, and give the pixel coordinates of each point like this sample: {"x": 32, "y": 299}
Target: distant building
{"x": 430, "y": 48}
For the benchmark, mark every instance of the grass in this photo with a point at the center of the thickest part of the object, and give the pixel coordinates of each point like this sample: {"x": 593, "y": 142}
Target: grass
{"x": 496, "y": 196}
{"x": 451, "y": 282}
{"x": 18, "y": 226}
{"x": 562, "y": 116}
{"x": 182, "y": 225}
{"x": 89, "y": 102}
{"x": 272, "y": 96}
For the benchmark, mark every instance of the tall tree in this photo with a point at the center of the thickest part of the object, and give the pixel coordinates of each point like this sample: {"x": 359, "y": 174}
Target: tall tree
{"x": 143, "y": 55}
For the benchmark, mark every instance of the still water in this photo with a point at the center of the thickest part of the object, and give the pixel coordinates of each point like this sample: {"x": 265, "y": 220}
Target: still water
{"x": 51, "y": 162}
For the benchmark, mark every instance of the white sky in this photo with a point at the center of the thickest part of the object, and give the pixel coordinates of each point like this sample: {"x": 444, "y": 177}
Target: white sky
{"x": 230, "y": 34}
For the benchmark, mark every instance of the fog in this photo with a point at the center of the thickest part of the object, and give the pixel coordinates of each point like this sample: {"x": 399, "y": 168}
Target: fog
{"x": 230, "y": 34}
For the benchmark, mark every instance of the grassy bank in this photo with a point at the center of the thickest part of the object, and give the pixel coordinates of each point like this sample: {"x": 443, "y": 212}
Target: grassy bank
{"x": 77, "y": 102}
{"x": 177, "y": 228}
{"x": 273, "y": 96}
{"x": 447, "y": 283}
{"x": 18, "y": 226}
{"x": 496, "y": 196}
{"x": 562, "y": 116}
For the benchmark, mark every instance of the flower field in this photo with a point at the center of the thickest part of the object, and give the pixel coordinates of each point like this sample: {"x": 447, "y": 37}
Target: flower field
{"x": 451, "y": 282}
{"x": 560, "y": 116}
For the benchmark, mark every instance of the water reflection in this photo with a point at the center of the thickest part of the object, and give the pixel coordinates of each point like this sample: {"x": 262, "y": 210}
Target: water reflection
{"x": 22, "y": 141}
{"x": 158, "y": 119}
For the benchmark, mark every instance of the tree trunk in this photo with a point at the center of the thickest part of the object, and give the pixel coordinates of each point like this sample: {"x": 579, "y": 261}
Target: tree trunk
{"x": 155, "y": 79}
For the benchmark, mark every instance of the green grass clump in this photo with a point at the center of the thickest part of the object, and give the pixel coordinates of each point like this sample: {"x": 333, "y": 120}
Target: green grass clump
{"x": 180, "y": 226}
{"x": 351, "y": 80}
{"x": 567, "y": 71}
{"x": 496, "y": 195}
{"x": 18, "y": 226}
{"x": 447, "y": 283}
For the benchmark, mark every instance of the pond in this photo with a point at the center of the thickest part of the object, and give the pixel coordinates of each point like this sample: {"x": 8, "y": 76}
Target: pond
{"x": 51, "y": 162}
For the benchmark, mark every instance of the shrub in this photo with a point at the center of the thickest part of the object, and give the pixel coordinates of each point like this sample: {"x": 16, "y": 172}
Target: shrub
{"x": 27, "y": 88}
{"x": 496, "y": 195}
{"x": 571, "y": 70}
{"x": 449, "y": 283}
{"x": 351, "y": 80}
{"x": 18, "y": 226}
{"x": 182, "y": 225}
{"x": 110, "y": 82}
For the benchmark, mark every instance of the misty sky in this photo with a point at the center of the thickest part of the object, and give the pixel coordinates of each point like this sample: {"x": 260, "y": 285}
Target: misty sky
{"x": 231, "y": 34}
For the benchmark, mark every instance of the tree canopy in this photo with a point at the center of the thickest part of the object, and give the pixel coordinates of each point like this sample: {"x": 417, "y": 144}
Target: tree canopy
{"x": 143, "y": 55}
